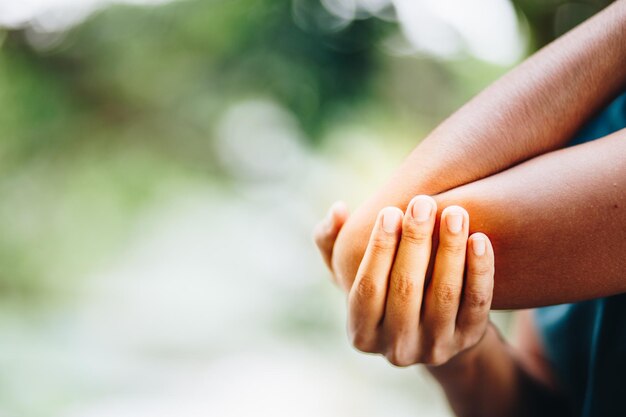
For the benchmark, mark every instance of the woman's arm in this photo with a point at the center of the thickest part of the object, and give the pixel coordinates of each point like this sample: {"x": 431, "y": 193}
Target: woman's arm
{"x": 534, "y": 109}
{"x": 557, "y": 223}
{"x": 492, "y": 380}
{"x": 444, "y": 323}
{"x": 499, "y": 379}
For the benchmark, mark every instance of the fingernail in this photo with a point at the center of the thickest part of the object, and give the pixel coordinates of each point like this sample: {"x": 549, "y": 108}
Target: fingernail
{"x": 422, "y": 208}
{"x": 479, "y": 245}
{"x": 391, "y": 219}
{"x": 454, "y": 221}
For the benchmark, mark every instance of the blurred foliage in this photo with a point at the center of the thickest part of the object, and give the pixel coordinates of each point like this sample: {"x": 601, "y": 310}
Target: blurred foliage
{"x": 93, "y": 125}
{"x": 550, "y": 19}
{"x": 184, "y": 62}
{"x": 97, "y": 120}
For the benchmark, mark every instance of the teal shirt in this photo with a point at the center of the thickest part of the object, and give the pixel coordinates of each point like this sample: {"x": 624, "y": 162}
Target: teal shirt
{"x": 586, "y": 342}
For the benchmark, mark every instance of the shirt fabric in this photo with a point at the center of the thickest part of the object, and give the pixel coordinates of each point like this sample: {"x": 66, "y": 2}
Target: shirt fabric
{"x": 585, "y": 342}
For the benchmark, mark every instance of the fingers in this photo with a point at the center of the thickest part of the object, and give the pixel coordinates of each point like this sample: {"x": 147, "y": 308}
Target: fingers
{"x": 366, "y": 300}
{"x": 326, "y": 231}
{"x": 478, "y": 290}
{"x": 388, "y": 312}
{"x": 445, "y": 288}
{"x": 404, "y": 298}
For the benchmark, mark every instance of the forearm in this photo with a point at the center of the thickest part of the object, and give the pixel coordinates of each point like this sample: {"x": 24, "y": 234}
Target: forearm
{"x": 557, "y": 224}
{"x": 535, "y": 108}
{"x": 489, "y": 381}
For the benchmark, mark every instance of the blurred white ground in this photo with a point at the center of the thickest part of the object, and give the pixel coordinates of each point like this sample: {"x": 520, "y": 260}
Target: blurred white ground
{"x": 218, "y": 304}
{"x": 187, "y": 322}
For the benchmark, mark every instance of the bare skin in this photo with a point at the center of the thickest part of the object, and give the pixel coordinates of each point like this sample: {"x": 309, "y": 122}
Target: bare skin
{"x": 442, "y": 323}
{"x": 391, "y": 312}
{"x": 531, "y": 111}
{"x": 557, "y": 222}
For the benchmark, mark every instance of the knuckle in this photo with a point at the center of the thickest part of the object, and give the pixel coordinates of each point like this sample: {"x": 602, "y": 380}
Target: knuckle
{"x": 403, "y": 285}
{"x": 470, "y": 336}
{"x": 416, "y": 235}
{"x": 481, "y": 268}
{"x": 437, "y": 355}
{"x": 398, "y": 358}
{"x": 366, "y": 288}
{"x": 445, "y": 294}
{"x": 478, "y": 299}
{"x": 470, "y": 339}
{"x": 438, "y": 360}
{"x": 382, "y": 245}
{"x": 451, "y": 247}
{"x": 362, "y": 342}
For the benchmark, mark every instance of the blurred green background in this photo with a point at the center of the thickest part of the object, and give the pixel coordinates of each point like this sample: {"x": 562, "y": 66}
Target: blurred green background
{"x": 162, "y": 165}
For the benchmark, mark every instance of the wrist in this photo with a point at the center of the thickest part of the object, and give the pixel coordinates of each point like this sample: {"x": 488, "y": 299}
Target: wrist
{"x": 468, "y": 360}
